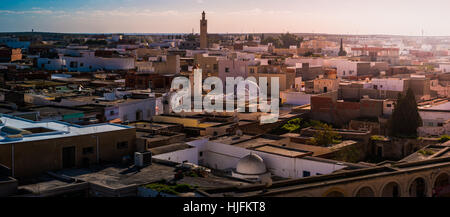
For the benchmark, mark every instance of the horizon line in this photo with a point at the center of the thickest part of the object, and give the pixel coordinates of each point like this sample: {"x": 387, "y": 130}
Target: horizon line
{"x": 220, "y": 33}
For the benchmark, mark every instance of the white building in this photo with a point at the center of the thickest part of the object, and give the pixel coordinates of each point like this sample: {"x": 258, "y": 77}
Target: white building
{"x": 313, "y": 62}
{"x": 444, "y": 67}
{"x": 258, "y": 49}
{"x": 126, "y": 109}
{"x": 393, "y": 84}
{"x": 221, "y": 156}
{"x": 347, "y": 68}
{"x": 85, "y": 61}
{"x": 436, "y": 120}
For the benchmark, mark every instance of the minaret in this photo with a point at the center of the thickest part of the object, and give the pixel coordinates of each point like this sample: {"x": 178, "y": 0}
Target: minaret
{"x": 342, "y": 52}
{"x": 203, "y": 32}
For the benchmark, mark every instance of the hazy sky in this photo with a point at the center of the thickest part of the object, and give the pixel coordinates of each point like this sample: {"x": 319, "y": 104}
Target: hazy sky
{"x": 403, "y": 17}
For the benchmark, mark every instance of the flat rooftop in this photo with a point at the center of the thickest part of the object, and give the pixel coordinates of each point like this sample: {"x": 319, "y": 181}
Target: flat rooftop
{"x": 445, "y": 106}
{"x": 283, "y": 151}
{"x": 118, "y": 176}
{"x": 46, "y": 111}
{"x": 51, "y": 129}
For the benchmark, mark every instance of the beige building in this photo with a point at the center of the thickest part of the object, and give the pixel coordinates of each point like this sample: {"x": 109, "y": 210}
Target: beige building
{"x": 30, "y": 148}
{"x": 208, "y": 64}
{"x": 321, "y": 85}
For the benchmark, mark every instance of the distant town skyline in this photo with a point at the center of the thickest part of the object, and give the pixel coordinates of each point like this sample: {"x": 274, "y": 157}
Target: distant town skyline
{"x": 400, "y": 17}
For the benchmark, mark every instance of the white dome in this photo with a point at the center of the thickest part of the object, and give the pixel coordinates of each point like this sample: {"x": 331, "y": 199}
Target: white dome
{"x": 251, "y": 164}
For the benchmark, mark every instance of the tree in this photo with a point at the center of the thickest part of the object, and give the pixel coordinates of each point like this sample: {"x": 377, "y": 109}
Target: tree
{"x": 324, "y": 136}
{"x": 350, "y": 154}
{"x": 308, "y": 54}
{"x": 96, "y": 42}
{"x": 288, "y": 40}
{"x": 190, "y": 37}
{"x": 405, "y": 118}
{"x": 275, "y": 41}
{"x": 293, "y": 125}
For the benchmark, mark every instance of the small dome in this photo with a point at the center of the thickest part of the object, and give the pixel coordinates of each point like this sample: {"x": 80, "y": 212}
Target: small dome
{"x": 251, "y": 164}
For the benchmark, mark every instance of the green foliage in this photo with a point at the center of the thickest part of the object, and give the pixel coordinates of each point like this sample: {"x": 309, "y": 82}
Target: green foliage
{"x": 76, "y": 41}
{"x": 275, "y": 41}
{"x": 289, "y": 40}
{"x": 190, "y": 37}
{"x": 191, "y": 174}
{"x": 349, "y": 154}
{"x": 293, "y": 125}
{"x": 308, "y": 54}
{"x": 170, "y": 189}
{"x": 444, "y": 138}
{"x": 311, "y": 54}
{"x": 96, "y": 42}
{"x": 426, "y": 152}
{"x": 405, "y": 118}
{"x": 283, "y": 41}
{"x": 315, "y": 124}
{"x": 325, "y": 135}
{"x": 377, "y": 138}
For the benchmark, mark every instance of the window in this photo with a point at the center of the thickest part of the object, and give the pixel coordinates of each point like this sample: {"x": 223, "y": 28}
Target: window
{"x": 88, "y": 150}
{"x": 122, "y": 145}
{"x": 306, "y": 173}
{"x": 111, "y": 112}
{"x": 200, "y": 153}
{"x": 389, "y": 105}
{"x": 81, "y": 64}
{"x": 440, "y": 124}
{"x": 73, "y": 64}
{"x": 319, "y": 174}
{"x": 227, "y": 69}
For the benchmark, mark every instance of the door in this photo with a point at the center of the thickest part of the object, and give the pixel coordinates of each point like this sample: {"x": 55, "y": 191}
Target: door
{"x": 138, "y": 115}
{"x": 68, "y": 157}
{"x": 379, "y": 152}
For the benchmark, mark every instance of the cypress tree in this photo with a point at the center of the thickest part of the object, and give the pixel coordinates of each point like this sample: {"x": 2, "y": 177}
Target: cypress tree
{"x": 405, "y": 118}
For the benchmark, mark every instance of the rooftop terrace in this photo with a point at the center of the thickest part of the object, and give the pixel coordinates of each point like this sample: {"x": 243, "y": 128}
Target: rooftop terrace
{"x": 14, "y": 129}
